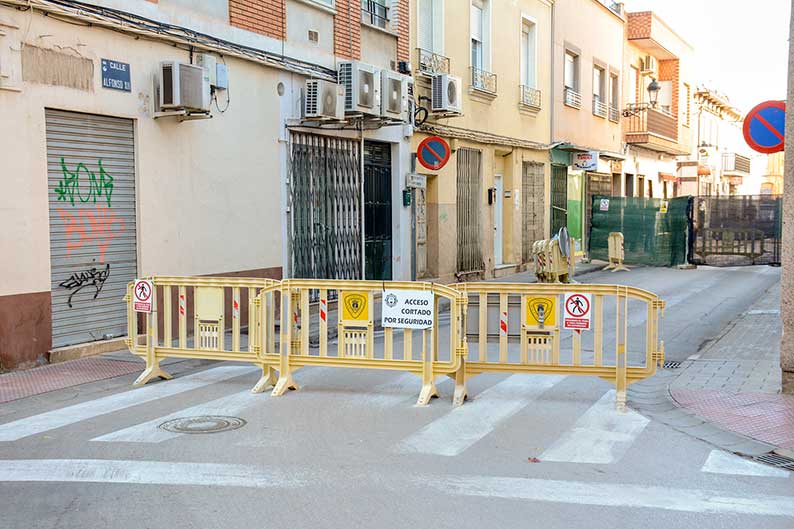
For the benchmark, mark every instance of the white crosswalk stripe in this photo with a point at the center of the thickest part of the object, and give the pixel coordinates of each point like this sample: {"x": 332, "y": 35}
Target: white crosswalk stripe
{"x": 720, "y": 462}
{"x": 462, "y": 427}
{"x": 601, "y": 435}
{"x": 59, "y": 418}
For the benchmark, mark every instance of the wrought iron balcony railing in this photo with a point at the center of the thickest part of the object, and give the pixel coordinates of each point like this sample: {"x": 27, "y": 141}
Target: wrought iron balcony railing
{"x": 530, "y": 97}
{"x": 600, "y": 108}
{"x": 572, "y": 98}
{"x": 614, "y": 114}
{"x": 432, "y": 63}
{"x": 482, "y": 80}
{"x": 374, "y": 13}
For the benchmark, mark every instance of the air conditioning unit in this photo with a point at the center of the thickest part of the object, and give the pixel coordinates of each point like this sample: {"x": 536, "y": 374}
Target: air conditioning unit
{"x": 362, "y": 87}
{"x": 649, "y": 65}
{"x": 446, "y": 94}
{"x": 182, "y": 86}
{"x": 323, "y": 100}
{"x": 393, "y": 95}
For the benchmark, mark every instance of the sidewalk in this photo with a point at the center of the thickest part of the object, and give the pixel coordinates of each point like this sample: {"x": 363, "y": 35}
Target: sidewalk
{"x": 734, "y": 382}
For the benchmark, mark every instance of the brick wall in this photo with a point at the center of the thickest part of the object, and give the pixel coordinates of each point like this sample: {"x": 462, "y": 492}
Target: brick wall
{"x": 669, "y": 71}
{"x": 639, "y": 25}
{"x": 403, "y": 30}
{"x": 347, "y": 29}
{"x": 266, "y": 17}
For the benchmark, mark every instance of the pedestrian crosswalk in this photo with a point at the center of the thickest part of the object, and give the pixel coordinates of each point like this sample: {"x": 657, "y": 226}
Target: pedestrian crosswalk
{"x": 599, "y": 435}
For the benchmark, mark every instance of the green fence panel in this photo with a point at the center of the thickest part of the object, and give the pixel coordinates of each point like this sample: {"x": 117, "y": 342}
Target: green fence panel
{"x": 651, "y": 236}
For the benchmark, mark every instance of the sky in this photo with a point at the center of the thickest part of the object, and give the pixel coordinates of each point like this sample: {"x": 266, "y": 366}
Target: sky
{"x": 741, "y": 46}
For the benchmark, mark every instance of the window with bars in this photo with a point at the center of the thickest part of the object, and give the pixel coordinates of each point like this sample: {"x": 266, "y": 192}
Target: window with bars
{"x": 469, "y": 204}
{"x": 532, "y": 210}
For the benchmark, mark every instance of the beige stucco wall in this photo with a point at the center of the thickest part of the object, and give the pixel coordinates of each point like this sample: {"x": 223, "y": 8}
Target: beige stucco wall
{"x": 598, "y": 33}
{"x": 207, "y": 191}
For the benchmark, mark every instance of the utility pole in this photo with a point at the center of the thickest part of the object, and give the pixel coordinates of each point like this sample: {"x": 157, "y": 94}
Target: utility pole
{"x": 787, "y": 281}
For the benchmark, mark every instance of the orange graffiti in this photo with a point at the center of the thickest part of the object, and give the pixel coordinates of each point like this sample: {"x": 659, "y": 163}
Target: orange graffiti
{"x": 86, "y": 226}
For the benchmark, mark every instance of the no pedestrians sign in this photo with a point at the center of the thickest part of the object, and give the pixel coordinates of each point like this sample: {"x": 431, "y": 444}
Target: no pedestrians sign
{"x": 577, "y": 315}
{"x": 142, "y": 295}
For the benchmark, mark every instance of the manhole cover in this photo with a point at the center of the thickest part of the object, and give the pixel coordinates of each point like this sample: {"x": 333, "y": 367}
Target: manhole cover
{"x": 203, "y": 424}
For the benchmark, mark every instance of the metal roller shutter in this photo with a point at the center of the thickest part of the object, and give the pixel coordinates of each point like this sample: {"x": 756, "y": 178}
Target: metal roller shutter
{"x": 91, "y": 188}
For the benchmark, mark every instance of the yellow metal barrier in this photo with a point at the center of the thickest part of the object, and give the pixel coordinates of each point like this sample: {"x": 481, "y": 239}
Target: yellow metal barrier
{"x": 616, "y": 254}
{"x": 209, "y": 318}
{"x": 551, "y": 266}
{"x": 355, "y": 346}
{"x": 527, "y": 321}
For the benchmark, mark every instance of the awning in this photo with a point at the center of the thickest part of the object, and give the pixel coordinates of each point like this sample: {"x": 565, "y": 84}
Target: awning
{"x": 704, "y": 170}
{"x": 667, "y": 177}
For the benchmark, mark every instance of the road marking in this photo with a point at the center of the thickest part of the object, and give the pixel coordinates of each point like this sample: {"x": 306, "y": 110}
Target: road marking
{"x": 459, "y": 429}
{"x": 601, "y": 435}
{"x": 143, "y": 472}
{"x": 610, "y": 494}
{"x": 720, "y": 462}
{"x": 59, "y": 418}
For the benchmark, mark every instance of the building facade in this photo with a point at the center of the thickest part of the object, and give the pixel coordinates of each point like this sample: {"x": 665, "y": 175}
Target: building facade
{"x": 116, "y": 178}
{"x": 658, "y": 119}
{"x": 587, "y": 80}
{"x": 482, "y": 80}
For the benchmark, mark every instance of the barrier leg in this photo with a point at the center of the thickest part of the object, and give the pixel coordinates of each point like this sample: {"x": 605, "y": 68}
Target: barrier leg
{"x": 153, "y": 369}
{"x": 285, "y": 380}
{"x": 149, "y": 373}
{"x": 429, "y": 389}
{"x": 459, "y": 376}
{"x": 267, "y": 379}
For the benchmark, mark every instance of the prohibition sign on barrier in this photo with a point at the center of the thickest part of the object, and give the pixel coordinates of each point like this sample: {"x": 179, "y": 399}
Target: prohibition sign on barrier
{"x": 142, "y": 294}
{"x": 577, "y": 312}
{"x": 765, "y": 127}
{"x": 433, "y": 153}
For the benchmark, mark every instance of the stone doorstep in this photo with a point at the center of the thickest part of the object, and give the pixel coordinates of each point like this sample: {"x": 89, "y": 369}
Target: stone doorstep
{"x": 73, "y": 352}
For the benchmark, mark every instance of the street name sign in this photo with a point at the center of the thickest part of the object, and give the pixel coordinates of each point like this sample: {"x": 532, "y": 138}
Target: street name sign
{"x": 408, "y": 309}
{"x": 116, "y": 75}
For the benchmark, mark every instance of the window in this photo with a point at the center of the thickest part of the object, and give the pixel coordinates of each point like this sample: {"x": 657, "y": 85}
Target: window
{"x": 634, "y": 80}
{"x": 528, "y": 54}
{"x": 375, "y": 13}
{"x": 614, "y": 91}
{"x": 327, "y": 3}
{"x": 598, "y": 84}
{"x": 686, "y": 111}
{"x": 571, "y": 67}
{"x": 477, "y": 35}
{"x": 665, "y": 96}
{"x": 430, "y": 25}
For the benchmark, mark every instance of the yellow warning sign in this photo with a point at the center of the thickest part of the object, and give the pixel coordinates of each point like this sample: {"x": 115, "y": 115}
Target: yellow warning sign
{"x": 541, "y": 310}
{"x": 354, "y": 306}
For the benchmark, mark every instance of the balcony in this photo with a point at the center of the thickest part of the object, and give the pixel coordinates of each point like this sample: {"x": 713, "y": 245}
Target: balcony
{"x": 432, "y": 63}
{"x": 600, "y": 108}
{"x": 374, "y": 13}
{"x": 735, "y": 164}
{"x": 614, "y": 114}
{"x": 529, "y": 97}
{"x": 652, "y": 129}
{"x": 572, "y": 98}
{"x": 483, "y": 81}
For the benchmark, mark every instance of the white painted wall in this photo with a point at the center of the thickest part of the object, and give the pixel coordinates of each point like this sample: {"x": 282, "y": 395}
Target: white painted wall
{"x": 205, "y": 189}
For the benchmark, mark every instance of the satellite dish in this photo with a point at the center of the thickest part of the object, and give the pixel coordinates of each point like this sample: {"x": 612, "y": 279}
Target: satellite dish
{"x": 565, "y": 242}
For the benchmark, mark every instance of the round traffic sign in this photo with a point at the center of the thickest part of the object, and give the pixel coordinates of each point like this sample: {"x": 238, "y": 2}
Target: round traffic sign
{"x": 577, "y": 305}
{"x": 433, "y": 153}
{"x": 765, "y": 127}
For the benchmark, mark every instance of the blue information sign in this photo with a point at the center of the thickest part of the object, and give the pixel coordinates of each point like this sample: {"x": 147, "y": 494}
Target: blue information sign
{"x": 116, "y": 75}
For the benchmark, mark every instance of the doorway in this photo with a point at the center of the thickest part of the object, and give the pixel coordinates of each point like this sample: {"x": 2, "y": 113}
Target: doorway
{"x": 377, "y": 211}
{"x": 497, "y": 214}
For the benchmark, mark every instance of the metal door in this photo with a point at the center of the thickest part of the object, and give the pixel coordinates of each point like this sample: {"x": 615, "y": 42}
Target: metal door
{"x": 596, "y": 184}
{"x": 497, "y": 221}
{"x": 377, "y": 211}
{"x": 559, "y": 197}
{"x": 325, "y": 200}
{"x": 91, "y": 189}
{"x": 420, "y": 217}
{"x": 469, "y": 252}
{"x": 532, "y": 198}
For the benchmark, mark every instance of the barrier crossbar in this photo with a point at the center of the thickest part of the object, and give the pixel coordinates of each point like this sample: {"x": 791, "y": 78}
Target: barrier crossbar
{"x": 519, "y": 328}
{"x": 210, "y": 314}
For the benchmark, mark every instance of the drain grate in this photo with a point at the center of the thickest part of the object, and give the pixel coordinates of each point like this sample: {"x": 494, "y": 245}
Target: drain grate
{"x": 203, "y": 424}
{"x": 777, "y": 460}
{"x": 671, "y": 364}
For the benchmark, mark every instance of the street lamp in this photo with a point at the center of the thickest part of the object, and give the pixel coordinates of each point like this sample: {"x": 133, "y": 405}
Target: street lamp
{"x": 653, "y": 92}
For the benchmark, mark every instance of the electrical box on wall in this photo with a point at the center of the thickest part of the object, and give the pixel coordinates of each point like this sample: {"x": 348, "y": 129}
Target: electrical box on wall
{"x": 221, "y": 76}
{"x": 217, "y": 71}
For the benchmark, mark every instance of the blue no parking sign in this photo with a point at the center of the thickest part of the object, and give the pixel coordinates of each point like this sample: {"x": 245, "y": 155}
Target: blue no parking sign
{"x": 765, "y": 127}
{"x": 433, "y": 153}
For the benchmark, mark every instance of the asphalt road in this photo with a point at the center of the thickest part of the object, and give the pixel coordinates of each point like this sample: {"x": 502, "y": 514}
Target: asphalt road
{"x": 351, "y": 450}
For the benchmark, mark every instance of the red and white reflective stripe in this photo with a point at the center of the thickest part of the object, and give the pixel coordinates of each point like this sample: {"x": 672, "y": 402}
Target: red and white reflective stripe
{"x": 236, "y": 309}
{"x": 503, "y": 323}
{"x": 324, "y": 310}
{"x": 181, "y": 305}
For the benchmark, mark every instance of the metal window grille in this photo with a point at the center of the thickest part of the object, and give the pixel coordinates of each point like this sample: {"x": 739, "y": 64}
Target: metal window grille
{"x": 559, "y": 197}
{"x": 325, "y": 199}
{"x": 469, "y": 165}
{"x": 532, "y": 193}
{"x": 483, "y": 80}
{"x": 374, "y": 13}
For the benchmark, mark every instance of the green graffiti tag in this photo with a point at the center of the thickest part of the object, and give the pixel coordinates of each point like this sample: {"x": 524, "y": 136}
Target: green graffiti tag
{"x": 98, "y": 186}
